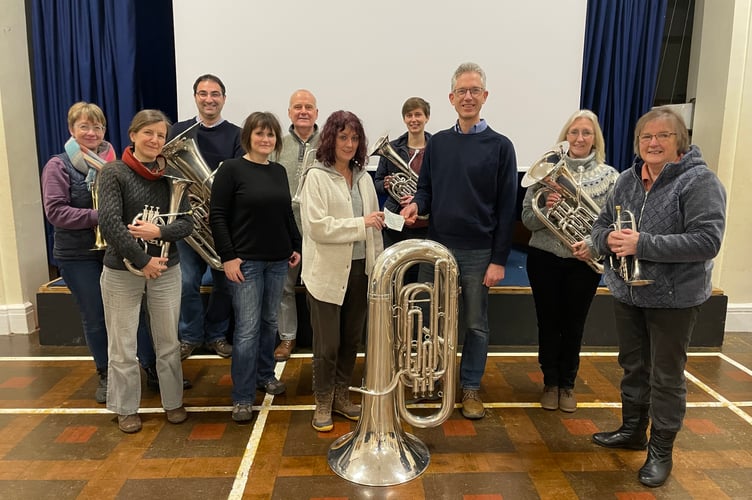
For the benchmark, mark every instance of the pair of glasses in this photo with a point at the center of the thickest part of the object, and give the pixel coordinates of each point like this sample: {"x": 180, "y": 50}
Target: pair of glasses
{"x": 661, "y": 136}
{"x": 86, "y": 128}
{"x": 204, "y": 94}
{"x": 584, "y": 133}
{"x": 475, "y": 92}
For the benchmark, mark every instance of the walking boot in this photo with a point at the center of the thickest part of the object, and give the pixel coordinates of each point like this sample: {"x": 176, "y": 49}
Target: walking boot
{"x": 632, "y": 433}
{"x": 343, "y": 405}
{"x": 658, "y": 465}
{"x": 322, "y": 415}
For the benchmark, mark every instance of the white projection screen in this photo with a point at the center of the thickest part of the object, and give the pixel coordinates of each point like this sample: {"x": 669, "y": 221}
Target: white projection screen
{"x": 368, "y": 57}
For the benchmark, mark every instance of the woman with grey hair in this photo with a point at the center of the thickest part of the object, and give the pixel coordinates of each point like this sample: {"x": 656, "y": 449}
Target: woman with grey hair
{"x": 677, "y": 209}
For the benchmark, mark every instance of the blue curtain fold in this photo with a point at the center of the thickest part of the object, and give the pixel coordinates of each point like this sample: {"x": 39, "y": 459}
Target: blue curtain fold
{"x": 623, "y": 40}
{"x": 101, "y": 51}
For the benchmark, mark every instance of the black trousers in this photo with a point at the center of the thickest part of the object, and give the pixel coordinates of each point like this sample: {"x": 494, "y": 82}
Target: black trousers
{"x": 653, "y": 347}
{"x": 563, "y": 290}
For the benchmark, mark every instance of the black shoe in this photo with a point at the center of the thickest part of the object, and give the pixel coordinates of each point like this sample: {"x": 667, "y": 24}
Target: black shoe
{"x": 659, "y": 463}
{"x": 152, "y": 379}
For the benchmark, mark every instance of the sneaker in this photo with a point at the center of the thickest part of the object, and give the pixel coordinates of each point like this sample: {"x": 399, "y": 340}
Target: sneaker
{"x": 272, "y": 386}
{"x": 550, "y": 398}
{"x": 186, "y": 349}
{"x": 283, "y": 350}
{"x": 567, "y": 400}
{"x": 177, "y": 416}
{"x": 100, "y": 395}
{"x": 472, "y": 406}
{"x": 221, "y": 347}
{"x": 129, "y": 423}
{"x": 242, "y": 412}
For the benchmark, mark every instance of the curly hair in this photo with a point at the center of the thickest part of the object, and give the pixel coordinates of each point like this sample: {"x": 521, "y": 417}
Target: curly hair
{"x": 336, "y": 123}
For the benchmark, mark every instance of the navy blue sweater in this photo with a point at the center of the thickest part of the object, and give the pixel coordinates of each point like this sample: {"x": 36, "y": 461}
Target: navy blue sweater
{"x": 216, "y": 144}
{"x": 468, "y": 183}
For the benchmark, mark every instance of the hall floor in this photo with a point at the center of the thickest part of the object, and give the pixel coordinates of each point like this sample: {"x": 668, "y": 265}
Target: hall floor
{"x": 57, "y": 442}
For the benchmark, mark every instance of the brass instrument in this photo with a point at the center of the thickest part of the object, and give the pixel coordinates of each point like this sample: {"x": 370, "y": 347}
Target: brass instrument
{"x": 308, "y": 160}
{"x": 183, "y": 155}
{"x": 404, "y": 182}
{"x": 628, "y": 267}
{"x": 99, "y": 243}
{"x": 151, "y": 214}
{"x": 402, "y": 354}
{"x": 571, "y": 218}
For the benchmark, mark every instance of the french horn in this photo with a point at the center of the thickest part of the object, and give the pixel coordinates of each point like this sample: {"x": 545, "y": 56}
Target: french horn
{"x": 571, "y": 218}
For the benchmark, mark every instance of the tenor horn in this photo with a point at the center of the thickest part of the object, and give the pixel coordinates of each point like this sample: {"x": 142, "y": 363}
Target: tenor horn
{"x": 627, "y": 267}
{"x": 183, "y": 155}
{"x": 402, "y": 354}
{"x": 571, "y": 218}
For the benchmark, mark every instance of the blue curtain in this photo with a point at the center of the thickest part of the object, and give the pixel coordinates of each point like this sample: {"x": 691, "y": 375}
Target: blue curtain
{"x": 99, "y": 51}
{"x": 620, "y": 68}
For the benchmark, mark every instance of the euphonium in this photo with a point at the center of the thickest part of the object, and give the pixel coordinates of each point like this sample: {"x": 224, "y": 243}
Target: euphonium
{"x": 628, "y": 267}
{"x": 151, "y": 214}
{"x": 571, "y": 218}
{"x": 402, "y": 355}
{"x": 183, "y": 155}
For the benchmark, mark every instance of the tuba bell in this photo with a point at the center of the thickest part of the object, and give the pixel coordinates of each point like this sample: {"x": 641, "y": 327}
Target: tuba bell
{"x": 183, "y": 155}
{"x": 571, "y": 218}
{"x": 402, "y": 355}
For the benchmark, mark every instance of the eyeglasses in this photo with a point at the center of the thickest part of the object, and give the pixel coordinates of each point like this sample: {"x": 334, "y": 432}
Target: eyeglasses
{"x": 586, "y": 134}
{"x": 86, "y": 128}
{"x": 204, "y": 94}
{"x": 475, "y": 92}
{"x": 661, "y": 136}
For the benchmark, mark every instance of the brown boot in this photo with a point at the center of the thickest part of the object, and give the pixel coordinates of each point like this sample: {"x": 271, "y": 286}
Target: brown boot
{"x": 343, "y": 405}
{"x": 283, "y": 350}
{"x": 322, "y": 415}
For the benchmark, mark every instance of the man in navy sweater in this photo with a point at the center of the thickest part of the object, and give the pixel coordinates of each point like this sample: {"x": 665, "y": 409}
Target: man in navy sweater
{"x": 217, "y": 140}
{"x": 468, "y": 183}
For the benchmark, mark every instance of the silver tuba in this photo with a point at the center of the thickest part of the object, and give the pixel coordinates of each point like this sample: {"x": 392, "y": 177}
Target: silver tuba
{"x": 404, "y": 182}
{"x": 627, "y": 268}
{"x": 183, "y": 155}
{"x": 571, "y": 218}
{"x": 151, "y": 214}
{"x": 404, "y": 355}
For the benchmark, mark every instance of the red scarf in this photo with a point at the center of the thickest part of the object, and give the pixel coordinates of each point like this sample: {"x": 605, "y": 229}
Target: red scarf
{"x": 141, "y": 169}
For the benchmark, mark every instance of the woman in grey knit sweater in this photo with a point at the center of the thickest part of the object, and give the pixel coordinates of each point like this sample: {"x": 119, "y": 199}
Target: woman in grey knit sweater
{"x": 563, "y": 283}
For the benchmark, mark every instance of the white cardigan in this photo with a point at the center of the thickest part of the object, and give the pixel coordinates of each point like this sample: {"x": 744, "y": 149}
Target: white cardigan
{"x": 329, "y": 230}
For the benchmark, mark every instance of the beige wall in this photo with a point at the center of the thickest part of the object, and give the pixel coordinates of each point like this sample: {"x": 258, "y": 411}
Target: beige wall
{"x": 23, "y": 257}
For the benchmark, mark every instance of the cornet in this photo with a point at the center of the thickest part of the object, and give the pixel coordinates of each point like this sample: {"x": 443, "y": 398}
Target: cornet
{"x": 628, "y": 267}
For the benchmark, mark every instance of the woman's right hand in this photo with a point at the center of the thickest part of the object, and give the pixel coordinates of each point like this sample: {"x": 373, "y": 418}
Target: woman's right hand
{"x": 387, "y": 181}
{"x": 154, "y": 268}
{"x": 232, "y": 270}
{"x": 552, "y": 199}
{"x": 375, "y": 220}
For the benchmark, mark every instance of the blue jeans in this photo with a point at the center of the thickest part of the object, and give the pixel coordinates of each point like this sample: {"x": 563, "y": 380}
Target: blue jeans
{"x": 82, "y": 278}
{"x": 256, "y": 303}
{"x": 195, "y": 327}
{"x": 473, "y": 320}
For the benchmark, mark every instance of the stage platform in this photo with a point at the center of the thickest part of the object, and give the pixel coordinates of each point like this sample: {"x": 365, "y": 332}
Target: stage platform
{"x": 511, "y": 314}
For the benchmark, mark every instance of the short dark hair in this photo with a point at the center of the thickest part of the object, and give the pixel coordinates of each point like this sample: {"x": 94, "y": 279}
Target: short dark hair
{"x": 414, "y": 103}
{"x": 209, "y": 78}
{"x": 262, "y": 120}
{"x": 336, "y": 123}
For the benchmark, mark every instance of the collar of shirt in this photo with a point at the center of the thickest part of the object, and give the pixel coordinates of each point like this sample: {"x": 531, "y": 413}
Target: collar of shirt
{"x": 475, "y": 129}
{"x": 221, "y": 120}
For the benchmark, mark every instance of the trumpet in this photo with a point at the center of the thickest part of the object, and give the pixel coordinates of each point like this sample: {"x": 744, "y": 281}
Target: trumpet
{"x": 628, "y": 267}
{"x": 151, "y": 214}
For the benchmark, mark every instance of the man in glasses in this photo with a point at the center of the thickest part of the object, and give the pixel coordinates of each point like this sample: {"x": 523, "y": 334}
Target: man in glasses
{"x": 468, "y": 183}
{"x": 217, "y": 140}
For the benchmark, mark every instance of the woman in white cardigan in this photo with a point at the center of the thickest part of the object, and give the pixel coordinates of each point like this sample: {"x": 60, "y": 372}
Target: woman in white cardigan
{"x": 342, "y": 238}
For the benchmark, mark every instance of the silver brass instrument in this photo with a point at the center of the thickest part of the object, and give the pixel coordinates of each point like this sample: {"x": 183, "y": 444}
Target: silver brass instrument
{"x": 628, "y": 267}
{"x": 404, "y": 182}
{"x": 308, "y": 160}
{"x": 182, "y": 154}
{"x": 402, "y": 354}
{"x": 571, "y": 218}
{"x": 151, "y": 214}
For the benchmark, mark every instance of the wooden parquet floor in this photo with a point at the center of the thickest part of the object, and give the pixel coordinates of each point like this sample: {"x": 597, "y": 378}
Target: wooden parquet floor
{"x": 57, "y": 442}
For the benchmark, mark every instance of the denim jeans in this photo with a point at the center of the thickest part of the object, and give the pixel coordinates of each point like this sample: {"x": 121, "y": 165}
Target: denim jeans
{"x": 82, "y": 278}
{"x": 122, "y": 294}
{"x": 473, "y": 320}
{"x": 197, "y": 327}
{"x": 256, "y": 304}
{"x": 653, "y": 347}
